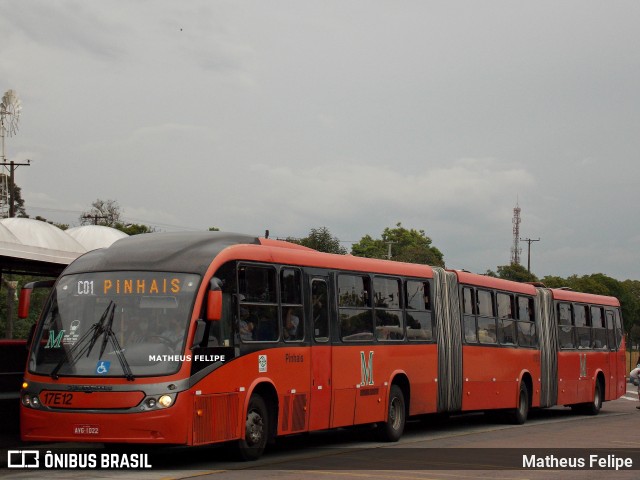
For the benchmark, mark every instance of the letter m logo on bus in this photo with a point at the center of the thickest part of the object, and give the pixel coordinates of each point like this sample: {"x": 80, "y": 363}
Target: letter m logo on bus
{"x": 54, "y": 341}
{"x": 583, "y": 365}
{"x": 366, "y": 369}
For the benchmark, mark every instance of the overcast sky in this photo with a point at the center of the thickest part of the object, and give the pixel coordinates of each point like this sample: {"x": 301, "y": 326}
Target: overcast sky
{"x": 354, "y": 115}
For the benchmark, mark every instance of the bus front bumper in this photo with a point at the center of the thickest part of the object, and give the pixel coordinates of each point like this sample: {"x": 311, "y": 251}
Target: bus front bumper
{"x": 162, "y": 426}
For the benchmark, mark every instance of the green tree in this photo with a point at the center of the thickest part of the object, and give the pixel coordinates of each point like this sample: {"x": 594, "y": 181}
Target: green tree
{"x": 320, "y": 239}
{"x": 632, "y": 301}
{"x": 20, "y": 326}
{"x": 403, "y": 245}
{"x": 552, "y": 281}
{"x": 627, "y": 292}
{"x": 516, "y": 273}
{"x": 102, "y": 212}
{"x": 18, "y": 201}
{"x": 109, "y": 214}
{"x": 133, "y": 228}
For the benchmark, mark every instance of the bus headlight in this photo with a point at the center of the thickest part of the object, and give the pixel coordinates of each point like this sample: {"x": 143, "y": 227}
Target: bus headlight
{"x": 165, "y": 401}
{"x": 154, "y": 403}
{"x": 30, "y": 400}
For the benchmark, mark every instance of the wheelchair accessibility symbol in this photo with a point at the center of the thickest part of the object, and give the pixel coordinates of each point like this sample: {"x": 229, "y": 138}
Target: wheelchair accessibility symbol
{"x": 102, "y": 368}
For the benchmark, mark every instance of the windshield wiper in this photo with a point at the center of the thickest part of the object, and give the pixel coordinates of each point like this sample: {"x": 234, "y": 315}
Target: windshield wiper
{"x": 75, "y": 352}
{"x": 86, "y": 343}
{"x": 110, "y": 336}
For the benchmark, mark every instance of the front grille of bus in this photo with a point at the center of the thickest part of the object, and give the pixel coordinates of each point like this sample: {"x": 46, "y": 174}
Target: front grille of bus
{"x": 215, "y": 418}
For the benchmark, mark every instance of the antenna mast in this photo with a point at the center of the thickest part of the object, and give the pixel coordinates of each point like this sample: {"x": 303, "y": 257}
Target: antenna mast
{"x": 515, "y": 249}
{"x": 9, "y": 115}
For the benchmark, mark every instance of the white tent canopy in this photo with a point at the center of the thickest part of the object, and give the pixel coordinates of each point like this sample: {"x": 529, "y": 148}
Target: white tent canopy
{"x": 33, "y": 246}
{"x": 93, "y": 237}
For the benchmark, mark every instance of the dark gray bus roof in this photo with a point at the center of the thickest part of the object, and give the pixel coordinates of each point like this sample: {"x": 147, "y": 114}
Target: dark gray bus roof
{"x": 190, "y": 252}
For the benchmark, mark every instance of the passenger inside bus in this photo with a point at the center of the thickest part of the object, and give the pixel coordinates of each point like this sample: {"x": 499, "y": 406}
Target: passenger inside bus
{"x": 291, "y": 323}
{"x": 246, "y": 325}
{"x": 266, "y": 329}
{"x": 173, "y": 330}
{"x": 319, "y": 311}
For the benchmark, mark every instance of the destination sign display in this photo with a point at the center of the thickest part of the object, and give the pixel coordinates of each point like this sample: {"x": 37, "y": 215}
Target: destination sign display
{"x": 128, "y": 283}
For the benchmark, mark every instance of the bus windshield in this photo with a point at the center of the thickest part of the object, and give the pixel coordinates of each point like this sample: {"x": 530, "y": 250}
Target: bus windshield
{"x": 114, "y": 324}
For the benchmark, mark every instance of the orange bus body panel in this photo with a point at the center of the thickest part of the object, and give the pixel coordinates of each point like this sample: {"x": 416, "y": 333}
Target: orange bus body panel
{"x": 257, "y": 253}
{"x": 493, "y": 282}
{"x": 497, "y": 387}
{"x": 571, "y": 296}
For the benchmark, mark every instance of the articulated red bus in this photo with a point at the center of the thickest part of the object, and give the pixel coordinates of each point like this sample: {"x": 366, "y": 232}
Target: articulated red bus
{"x": 209, "y": 337}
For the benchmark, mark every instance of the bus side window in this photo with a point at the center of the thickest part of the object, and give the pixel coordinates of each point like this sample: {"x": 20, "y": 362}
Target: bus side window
{"x": 611, "y": 331}
{"x": 581, "y": 322}
{"x": 319, "y": 310}
{"x": 526, "y": 322}
{"x": 506, "y": 322}
{"x": 566, "y": 337}
{"x": 258, "y": 303}
{"x": 291, "y": 300}
{"x": 354, "y": 304}
{"x": 619, "y": 329}
{"x": 469, "y": 307}
{"x": 387, "y": 313}
{"x": 599, "y": 330}
{"x": 486, "y": 317}
{"x": 418, "y": 305}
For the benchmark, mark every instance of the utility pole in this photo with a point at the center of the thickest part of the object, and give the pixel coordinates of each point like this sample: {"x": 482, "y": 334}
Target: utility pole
{"x": 529, "y": 241}
{"x": 12, "y": 185}
{"x": 95, "y": 218}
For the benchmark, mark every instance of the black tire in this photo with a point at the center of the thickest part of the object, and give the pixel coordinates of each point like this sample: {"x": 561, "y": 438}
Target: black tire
{"x": 521, "y": 412}
{"x": 256, "y": 431}
{"x": 391, "y": 430}
{"x": 594, "y": 407}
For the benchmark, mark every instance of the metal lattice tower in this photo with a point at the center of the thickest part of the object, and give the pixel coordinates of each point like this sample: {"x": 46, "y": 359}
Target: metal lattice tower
{"x": 10, "y": 109}
{"x": 515, "y": 249}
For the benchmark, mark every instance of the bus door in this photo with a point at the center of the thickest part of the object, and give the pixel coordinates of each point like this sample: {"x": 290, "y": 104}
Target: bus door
{"x": 613, "y": 364}
{"x": 320, "y": 405}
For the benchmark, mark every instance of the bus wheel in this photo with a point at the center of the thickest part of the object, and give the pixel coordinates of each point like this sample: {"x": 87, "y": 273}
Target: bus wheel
{"x": 391, "y": 430}
{"x": 256, "y": 430}
{"x": 521, "y": 412}
{"x": 594, "y": 407}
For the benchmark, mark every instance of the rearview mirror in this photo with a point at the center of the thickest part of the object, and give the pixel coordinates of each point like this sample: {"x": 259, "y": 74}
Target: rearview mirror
{"x": 214, "y": 300}
{"x": 24, "y": 302}
{"x": 214, "y": 305}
